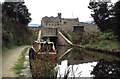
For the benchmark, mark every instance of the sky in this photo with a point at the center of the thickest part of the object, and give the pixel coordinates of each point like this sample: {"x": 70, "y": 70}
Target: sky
{"x": 68, "y": 8}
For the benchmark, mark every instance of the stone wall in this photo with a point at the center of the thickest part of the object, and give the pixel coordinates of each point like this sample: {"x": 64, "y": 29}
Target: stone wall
{"x": 88, "y": 28}
{"x": 58, "y": 36}
{"x": 62, "y": 40}
{"x": 46, "y": 31}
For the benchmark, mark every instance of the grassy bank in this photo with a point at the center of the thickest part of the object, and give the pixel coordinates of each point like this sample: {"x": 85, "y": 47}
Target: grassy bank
{"x": 28, "y": 41}
{"x": 105, "y": 45}
{"x": 20, "y": 63}
{"x": 104, "y": 41}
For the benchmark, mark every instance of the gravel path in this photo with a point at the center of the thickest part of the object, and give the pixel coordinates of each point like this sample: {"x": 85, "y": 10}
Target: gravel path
{"x": 8, "y": 61}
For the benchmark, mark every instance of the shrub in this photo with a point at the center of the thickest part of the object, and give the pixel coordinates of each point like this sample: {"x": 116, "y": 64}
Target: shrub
{"x": 107, "y": 36}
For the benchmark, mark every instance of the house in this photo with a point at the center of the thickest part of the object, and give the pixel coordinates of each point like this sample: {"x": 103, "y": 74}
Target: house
{"x": 68, "y": 24}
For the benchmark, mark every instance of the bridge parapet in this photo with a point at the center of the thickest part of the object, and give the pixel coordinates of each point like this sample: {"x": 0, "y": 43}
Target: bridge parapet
{"x": 55, "y": 35}
{"x": 47, "y": 31}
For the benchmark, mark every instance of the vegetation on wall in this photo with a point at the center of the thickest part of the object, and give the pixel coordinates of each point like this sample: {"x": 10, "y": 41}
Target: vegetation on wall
{"x": 106, "y": 40}
{"x": 100, "y": 40}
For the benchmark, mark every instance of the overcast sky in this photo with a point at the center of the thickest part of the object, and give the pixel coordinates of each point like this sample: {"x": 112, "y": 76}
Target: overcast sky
{"x": 68, "y": 8}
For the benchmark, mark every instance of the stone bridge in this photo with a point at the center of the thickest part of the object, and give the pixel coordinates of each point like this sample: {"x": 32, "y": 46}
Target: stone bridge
{"x": 49, "y": 32}
{"x": 55, "y": 36}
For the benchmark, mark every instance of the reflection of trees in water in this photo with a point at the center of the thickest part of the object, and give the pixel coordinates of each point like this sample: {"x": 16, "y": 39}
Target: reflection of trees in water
{"x": 77, "y": 54}
{"x": 107, "y": 69}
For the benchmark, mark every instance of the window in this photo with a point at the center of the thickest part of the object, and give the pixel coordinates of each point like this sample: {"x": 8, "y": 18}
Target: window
{"x": 78, "y": 29}
{"x": 60, "y": 21}
{"x": 46, "y": 24}
{"x": 65, "y": 22}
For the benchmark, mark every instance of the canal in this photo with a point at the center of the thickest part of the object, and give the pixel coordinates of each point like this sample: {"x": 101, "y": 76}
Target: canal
{"x": 77, "y": 62}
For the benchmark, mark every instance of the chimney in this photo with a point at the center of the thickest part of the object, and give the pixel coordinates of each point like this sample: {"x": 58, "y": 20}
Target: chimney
{"x": 59, "y": 15}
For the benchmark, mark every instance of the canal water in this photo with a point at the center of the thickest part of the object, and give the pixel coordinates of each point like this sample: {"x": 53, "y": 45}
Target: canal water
{"x": 76, "y": 62}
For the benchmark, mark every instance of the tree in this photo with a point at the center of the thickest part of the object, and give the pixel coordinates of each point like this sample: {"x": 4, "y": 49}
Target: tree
{"x": 116, "y": 11}
{"x": 17, "y": 10}
{"x": 100, "y": 13}
{"x": 106, "y": 16}
{"x": 0, "y": 13}
{"x": 15, "y": 20}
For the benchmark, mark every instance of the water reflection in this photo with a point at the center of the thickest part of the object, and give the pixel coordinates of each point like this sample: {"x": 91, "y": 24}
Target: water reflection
{"x": 107, "y": 69}
{"x": 88, "y": 64}
{"x": 61, "y": 50}
{"x": 80, "y": 70}
{"x": 78, "y": 56}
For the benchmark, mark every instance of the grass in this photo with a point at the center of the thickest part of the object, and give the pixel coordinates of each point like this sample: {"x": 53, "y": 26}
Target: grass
{"x": 105, "y": 45}
{"x": 100, "y": 40}
{"x": 67, "y": 35}
{"x": 20, "y": 63}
